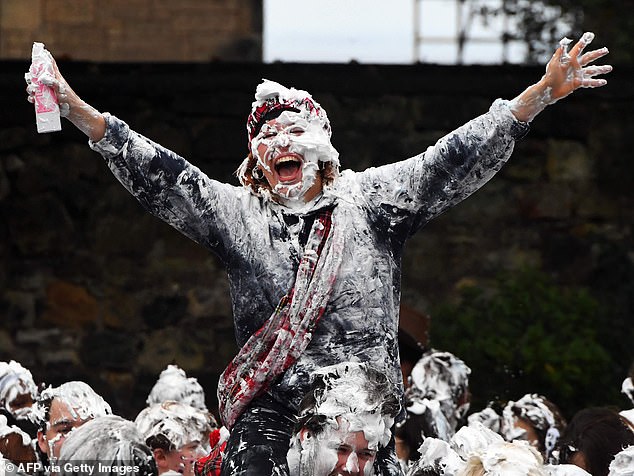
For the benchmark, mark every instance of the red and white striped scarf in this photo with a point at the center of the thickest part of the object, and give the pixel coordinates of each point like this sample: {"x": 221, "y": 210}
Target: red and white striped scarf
{"x": 273, "y": 348}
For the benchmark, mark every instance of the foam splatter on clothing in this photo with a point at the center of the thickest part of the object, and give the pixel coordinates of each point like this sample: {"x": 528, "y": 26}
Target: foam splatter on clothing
{"x": 259, "y": 241}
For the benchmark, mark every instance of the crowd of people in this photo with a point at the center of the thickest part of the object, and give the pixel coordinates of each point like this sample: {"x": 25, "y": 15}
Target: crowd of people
{"x": 347, "y": 418}
{"x": 313, "y": 257}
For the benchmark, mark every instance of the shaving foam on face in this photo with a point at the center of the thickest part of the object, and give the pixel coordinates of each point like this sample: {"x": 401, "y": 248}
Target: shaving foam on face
{"x": 312, "y": 144}
{"x": 319, "y": 455}
{"x": 298, "y": 133}
{"x": 349, "y": 395}
{"x": 47, "y": 114}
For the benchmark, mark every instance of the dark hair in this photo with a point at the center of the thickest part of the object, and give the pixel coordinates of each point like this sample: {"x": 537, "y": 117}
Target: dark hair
{"x": 538, "y": 420}
{"x": 269, "y": 116}
{"x": 159, "y": 441}
{"x": 598, "y": 434}
{"x": 415, "y": 428}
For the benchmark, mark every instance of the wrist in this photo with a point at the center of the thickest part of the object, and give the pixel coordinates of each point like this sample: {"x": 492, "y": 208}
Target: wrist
{"x": 87, "y": 119}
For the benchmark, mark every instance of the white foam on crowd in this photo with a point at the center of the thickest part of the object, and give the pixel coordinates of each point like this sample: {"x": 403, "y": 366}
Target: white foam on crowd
{"x": 180, "y": 423}
{"x": 82, "y": 401}
{"x": 174, "y": 385}
{"x": 16, "y": 380}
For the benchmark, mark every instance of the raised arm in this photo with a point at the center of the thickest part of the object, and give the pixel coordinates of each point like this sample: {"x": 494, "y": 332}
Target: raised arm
{"x": 565, "y": 72}
{"x": 165, "y": 184}
{"x": 413, "y": 191}
{"x": 85, "y": 117}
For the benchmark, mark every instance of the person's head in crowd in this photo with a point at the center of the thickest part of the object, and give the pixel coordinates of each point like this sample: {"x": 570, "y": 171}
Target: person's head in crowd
{"x": 474, "y": 439}
{"x": 18, "y": 391}
{"x": 344, "y": 421}
{"x": 113, "y": 443}
{"x": 437, "y": 458}
{"x": 487, "y": 417}
{"x": 623, "y": 463}
{"x": 290, "y": 155}
{"x": 592, "y": 439}
{"x": 15, "y": 445}
{"x": 174, "y": 385}
{"x": 535, "y": 419}
{"x": 517, "y": 458}
{"x": 176, "y": 433}
{"x": 440, "y": 392}
{"x": 61, "y": 410}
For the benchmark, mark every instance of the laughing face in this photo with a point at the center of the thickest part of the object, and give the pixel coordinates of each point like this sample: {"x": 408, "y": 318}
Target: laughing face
{"x": 289, "y": 150}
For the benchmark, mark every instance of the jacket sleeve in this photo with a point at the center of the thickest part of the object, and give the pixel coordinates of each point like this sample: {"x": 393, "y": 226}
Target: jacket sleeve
{"x": 407, "y": 194}
{"x": 171, "y": 188}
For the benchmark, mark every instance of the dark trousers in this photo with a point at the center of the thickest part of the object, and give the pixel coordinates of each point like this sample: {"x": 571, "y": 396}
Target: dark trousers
{"x": 260, "y": 439}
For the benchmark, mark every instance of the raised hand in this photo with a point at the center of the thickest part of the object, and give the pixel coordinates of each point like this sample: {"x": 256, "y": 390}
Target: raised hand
{"x": 568, "y": 71}
{"x": 565, "y": 72}
{"x": 82, "y": 115}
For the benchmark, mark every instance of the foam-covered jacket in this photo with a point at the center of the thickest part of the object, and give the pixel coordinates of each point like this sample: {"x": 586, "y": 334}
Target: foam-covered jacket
{"x": 259, "y": 241}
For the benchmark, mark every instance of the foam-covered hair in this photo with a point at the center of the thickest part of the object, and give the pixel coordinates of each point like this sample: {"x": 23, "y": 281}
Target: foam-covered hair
{"x": 113, "y": 442}
{"x": 272, "y": 98}
{"x": 173, "y": 424}
{"x": 82, "y": 401}
{"x": 174, "y": 385}
{"x": 15, "y": 380}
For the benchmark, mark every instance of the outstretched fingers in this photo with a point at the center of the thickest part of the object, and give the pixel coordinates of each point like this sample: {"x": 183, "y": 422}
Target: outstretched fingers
{"x": 587, "y": 80}
{"x": 595, "y": 70}
{"x": 584, "y": 41}
{"x": 593, "y": 55}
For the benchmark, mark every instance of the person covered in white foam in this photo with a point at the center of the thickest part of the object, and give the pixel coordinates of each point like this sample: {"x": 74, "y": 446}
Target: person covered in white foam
{"x": 438, "y": 395}
{"x": 535, "y": 419}
{"x": 62, "y": 409}
{"x": 177, "y": 434}
{"x": 313, "y": 255}
{"x": 174, "y": 385}
{"x": 18, "y": 390}
{"x": 106, "y": 446}
{"x": 344, "y": 423}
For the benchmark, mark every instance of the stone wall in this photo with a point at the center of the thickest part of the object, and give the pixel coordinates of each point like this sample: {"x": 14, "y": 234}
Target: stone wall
{"x": 93, "y": 288}
{"x": 134, "y": 30}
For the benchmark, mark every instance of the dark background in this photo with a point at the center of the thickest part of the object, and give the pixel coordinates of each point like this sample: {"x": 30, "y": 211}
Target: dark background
{"x": 93, "y": 288}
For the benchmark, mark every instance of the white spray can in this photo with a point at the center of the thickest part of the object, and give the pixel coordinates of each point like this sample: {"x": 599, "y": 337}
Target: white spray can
{"x": 47, "y": 115}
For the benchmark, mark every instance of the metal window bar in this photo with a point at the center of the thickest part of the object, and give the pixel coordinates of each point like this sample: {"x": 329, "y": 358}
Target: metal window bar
{"x": 466, "y": 12}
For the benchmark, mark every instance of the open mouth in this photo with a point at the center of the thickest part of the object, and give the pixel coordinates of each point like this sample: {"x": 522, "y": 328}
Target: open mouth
{"x": 288, "y": 168}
